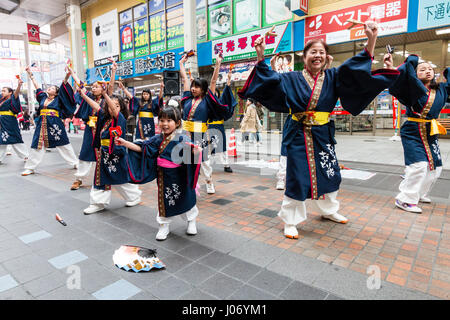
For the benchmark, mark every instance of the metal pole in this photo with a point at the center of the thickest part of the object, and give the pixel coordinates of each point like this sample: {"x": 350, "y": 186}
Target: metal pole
{"x": 29, "y": 84}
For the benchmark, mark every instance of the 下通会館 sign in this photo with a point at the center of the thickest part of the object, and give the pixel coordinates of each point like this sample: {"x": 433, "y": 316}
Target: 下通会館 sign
{"x": 433, "y": 14}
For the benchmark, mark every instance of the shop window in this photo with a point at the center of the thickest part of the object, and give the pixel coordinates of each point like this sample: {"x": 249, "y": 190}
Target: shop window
{"x": 202, "y": 21}
{"x": 219, "y": 13}
{"x": 246, "y": 15}
{"x": 276, "y": 11}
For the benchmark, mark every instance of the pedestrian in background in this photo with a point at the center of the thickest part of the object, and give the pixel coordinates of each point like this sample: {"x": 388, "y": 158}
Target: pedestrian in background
{"x": 249, "y": 122}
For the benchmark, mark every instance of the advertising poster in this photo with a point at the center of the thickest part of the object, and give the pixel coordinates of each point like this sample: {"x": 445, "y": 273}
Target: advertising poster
{"x": 126, "y": 16}
{"x": 84, "y": 48}
{"x": 284, "y": 63}
{"x": 105, "y": 38}
{"x": 33, "y": 34}
{"x": 246, "y": 15}
{"x": 155, "y": 6}
{"x": 157, "y": 32}
{"x": 433, "y": 13}
{"x": 276, "y": 11}
{"x": 175, "y": 27}
{"x": 219, "y": 19}
{"x": 392, "y": 18}
{"x": 126, "y": 41}
{"x": 140, "y": 11}
{"x": 202, "y": 25}
{"x": 141, "y": 38}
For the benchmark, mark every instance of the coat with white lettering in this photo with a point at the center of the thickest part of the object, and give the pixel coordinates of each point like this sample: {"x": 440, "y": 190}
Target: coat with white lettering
{"x": 145, "y": 125}
{"x": 418, "y": 144}
{"x": 217, "y": 130}
{"x": 111, "y": 167}
{"x": 197, "y": 114}
{"x": 170, "y": 160}
{"x": 312, "y": 166}
{"x": 50, "y": 130}
{"x": 89, "y": 116}
{"x": 9, "y": 127}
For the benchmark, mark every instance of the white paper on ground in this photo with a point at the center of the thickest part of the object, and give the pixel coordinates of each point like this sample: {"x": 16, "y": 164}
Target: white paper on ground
{"x": 357, "y": 174}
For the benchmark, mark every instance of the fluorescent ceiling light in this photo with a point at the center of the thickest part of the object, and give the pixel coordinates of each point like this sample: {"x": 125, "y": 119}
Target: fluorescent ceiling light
{"x": 443, "y": 31}
{"x": 138, "y": 79}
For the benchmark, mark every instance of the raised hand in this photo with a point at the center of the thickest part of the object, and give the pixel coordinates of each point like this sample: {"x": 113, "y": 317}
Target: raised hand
{"x": 260, "y": 47}
{"x": 388, "y": 61}
{"x": 184, "y": 59}
{"x": 371, "y": 29}
{"x": 329, "y": 61}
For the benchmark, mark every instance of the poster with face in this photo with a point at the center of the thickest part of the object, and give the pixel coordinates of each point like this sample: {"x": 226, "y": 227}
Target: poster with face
{"x": 220, "y": 19}
{"x": 277, "y": 11}
{"x": 202, "y": 26}
{"x": 284, "y": 63}
{"x": 246, "y": 15}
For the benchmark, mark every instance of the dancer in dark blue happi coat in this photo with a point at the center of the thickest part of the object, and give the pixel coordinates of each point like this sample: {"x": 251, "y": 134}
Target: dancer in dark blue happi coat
{"x": 310, "y": 96}
{"x": 216, "y": 128}
{"x": 416, "y": 88}
{"x": 170, "y": 158}
{"x": 9, "y": 127}
{"x": 145, "y": 110}
{"x": 111, "y": 160}
{"x": 200, "y": 105}
{"x": 89, "y": 116}
{"x": 55, "y": 104}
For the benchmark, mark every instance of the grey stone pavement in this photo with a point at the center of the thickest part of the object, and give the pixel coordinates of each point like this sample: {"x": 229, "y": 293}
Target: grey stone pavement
{"x": 41, "y": 259}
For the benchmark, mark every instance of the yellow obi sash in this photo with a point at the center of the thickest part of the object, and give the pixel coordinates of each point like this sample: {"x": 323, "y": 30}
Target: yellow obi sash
{"x": 105, "y": 142}
{"x": 92, "y": 121}
{"x": 216, "y": 122}
{"x": 312, "y": 118}
{"x": 49, "y": 112}
{"x": 7, "y": 113}
{"x": 195, "y": 126}
{"x": 435, "y": 128}
{"x": 145, "y": 114}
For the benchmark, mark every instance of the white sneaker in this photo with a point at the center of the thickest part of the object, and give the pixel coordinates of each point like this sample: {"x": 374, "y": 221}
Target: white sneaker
{"x": 191, "y": 228}
{"x": 280, "y": 185}
{"x": 93, "y": 208}
{"x": 133, "y": 203}
{"x": 425, "y": 200}
{"x": 210, "y": 188}
{"x": 75, "y": 166}
{"x": 290, "y": 231}
{"x": 408, "y": 207}
{"x": 162, "y": 232}
{"x": 27, "y": 172}
{"x": 336, "y": 217}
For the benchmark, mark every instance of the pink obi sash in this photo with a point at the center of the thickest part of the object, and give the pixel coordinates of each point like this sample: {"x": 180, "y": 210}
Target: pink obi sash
{"x": 164, "y": 163}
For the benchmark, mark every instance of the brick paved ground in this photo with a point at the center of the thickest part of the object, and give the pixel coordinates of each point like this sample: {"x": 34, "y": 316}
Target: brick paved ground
{"x": 412, "y": 251}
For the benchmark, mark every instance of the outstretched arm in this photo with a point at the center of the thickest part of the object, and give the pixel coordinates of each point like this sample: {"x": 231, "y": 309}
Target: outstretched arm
{"x": 371, "y": 31}
{"x": 184, "y": 78}
{"x": 127, "y": 93}
{"x": 127, "y": 144}
{"x": 76, "y": 78}
{"x": 215, "y": 75}
{"x": 94, "y": 105}
{"x": 113, "y": 78}
{"x": 19, "y": 85}
{"x": 111, "y": 105}
{"x": 30, "y": 74}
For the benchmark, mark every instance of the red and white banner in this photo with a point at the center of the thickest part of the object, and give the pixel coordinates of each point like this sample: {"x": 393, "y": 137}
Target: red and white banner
{"x": 391, "y": 15}
{"x": 33, "y": 34}
{"x": 300, "y": 7}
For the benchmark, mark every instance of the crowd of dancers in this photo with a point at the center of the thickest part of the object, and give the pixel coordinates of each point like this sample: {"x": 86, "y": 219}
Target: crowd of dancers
{"x": 192, "y": 130}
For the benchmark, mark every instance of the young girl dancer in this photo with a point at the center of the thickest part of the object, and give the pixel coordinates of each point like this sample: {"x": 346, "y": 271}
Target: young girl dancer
{"x": 175, "y": 162}
{"x": 416, "y": 88}
{"x": 54, "y": 105}
{"x": 111, "y": 165}
{"x": 145, "y": 109}
{"x": 9, "y": 127}
{"x": 199, "y": 106}
{"x": 310, "y": 97}
{"x": 89, "y": 116}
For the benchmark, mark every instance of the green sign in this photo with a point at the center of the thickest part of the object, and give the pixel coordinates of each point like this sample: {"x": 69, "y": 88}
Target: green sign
{"x": 141, "y": 38}
{"x": 84, "y": 48}
{"x": 175, "y": 27}
{"x": 157, "y": 32}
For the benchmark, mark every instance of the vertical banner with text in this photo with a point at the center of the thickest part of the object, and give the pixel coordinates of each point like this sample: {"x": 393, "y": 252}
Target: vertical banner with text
{"x": 33, "y": 34}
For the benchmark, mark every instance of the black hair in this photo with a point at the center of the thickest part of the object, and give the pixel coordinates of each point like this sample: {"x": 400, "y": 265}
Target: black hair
{"x": 202, "y": 84}
{"x": 310, "y": 43}
{"x": 10, "y": 90}
{"x": 142, "y": 102}
{"x": 251, "y": 100}
{"x": 56, "y": 89}
{"x": 171, "y": 113}
{"x": 217, "y": 93}
{"x": 123, "y": 107}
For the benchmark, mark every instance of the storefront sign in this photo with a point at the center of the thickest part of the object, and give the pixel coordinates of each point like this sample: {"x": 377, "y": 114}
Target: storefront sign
{"x": 105, "y": 38}
{"x": 141, "y": 47}
{"x": 157, "y": 32}
{"x": 126, "y": 41}
{"x": 433, "y": 13}
{"x": 175, "y": 27}
{"x": 33, "y": 34}
{"x": 155, "y": 63}
{"x": 391, "y": 15}
{"x": 84, "y": 48}
{"x": 243, "y": 46}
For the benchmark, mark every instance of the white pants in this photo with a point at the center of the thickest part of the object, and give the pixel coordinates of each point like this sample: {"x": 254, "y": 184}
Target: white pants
{"x": 128, "y": 191}
{"x": 84, "y": 167}
{"x": 189, "y": 215}
{"x": 36, "y": 156}
{"x": 206, "y": 170}
{"x": 293, "y": 212}
{"x": 19, "y": 148}
{"x": 223, "y": 157}
{"x": 418, "y": 182}
{"x": 281, "y": 174}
